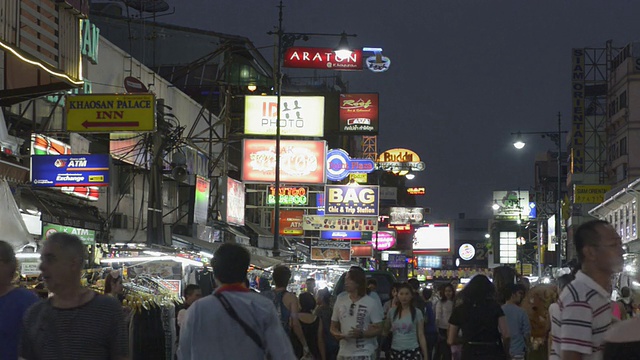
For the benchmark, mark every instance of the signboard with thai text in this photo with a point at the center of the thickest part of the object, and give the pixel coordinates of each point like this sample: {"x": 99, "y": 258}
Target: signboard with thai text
{"x": 299, "y": 115}
{"x": 110, "y": 112}
{"x": 334, "y": 223}
{"x": 359, "y": 113}
{"x": 351, "y": 200}
{"x": 589, "y": 194}
{"x": 301, "y": 161}
{"x": 321, "y": 58}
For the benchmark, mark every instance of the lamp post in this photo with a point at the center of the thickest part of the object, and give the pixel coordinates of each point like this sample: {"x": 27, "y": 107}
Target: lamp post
{"x": 556, "y": 137}
{"x": 285, "y": 40}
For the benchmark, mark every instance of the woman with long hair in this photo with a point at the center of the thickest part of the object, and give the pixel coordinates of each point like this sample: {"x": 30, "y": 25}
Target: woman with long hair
{"x": 444, "y": 307}
{"x": 485, "y": 333}
{"x": 406, "y": 325}
{"x": 392, "y": 298}
{"x": 113, "y": 285}
{"x": 311, "y": 326}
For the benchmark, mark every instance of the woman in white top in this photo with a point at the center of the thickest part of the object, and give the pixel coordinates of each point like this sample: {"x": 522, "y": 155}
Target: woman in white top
{"x": 444, "y": 307}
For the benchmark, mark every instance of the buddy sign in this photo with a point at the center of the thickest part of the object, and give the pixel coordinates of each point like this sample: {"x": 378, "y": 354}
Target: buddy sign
{"x": 351, "y": 200}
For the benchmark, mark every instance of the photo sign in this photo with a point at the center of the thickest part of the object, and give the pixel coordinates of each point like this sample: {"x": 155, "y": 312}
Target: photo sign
{"x": 359, "y": 113}
{"x": 70, "y": 170}
{"x": 299, "y": 115}
{"x": 351, "y": 200}
{"x": 301, "y": 161}
{"x": 316, "y": 222}
{"x": 327, "y": 250}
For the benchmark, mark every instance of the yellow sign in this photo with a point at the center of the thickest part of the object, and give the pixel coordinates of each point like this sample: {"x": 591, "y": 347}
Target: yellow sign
{"x": 360, "y": 178}
{"x": 398, "y": 155}
{"x": 589, "y": 194}
{"x": 524, "y": 269}
{"x": 110, "y": 112}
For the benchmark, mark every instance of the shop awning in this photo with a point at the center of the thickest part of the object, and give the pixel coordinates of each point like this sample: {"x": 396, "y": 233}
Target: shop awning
{"x": 183, "y": 240}
{"x": 263, "y": 261}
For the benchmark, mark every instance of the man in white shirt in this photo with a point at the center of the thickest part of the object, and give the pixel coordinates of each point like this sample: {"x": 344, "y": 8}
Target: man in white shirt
{"x": 585, "y": 303}
{"x": 357, "y": 319}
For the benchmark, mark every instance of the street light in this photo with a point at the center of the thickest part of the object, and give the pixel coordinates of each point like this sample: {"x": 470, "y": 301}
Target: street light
{"x": 556, "y": 137}
{"x": 285, "y": 40}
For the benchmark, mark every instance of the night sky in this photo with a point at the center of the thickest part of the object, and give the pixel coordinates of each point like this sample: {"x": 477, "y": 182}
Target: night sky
{"x": 463, "y": 76}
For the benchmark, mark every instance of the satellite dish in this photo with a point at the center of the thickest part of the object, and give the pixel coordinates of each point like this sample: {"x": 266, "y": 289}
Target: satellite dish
{"x": 150, "y": 6}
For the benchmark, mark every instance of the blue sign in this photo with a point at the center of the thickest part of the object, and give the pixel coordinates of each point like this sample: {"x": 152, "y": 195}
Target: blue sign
{"x": 70, "y": 170}
{"x": 320, "y": 203}
{"x": 341, "y": 235}
{"x": 533, "y": 211}
{"x": 340, "y": 165}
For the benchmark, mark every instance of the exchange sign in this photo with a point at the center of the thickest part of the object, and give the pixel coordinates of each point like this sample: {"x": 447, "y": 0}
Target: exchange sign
{"x": 70, "y": 170}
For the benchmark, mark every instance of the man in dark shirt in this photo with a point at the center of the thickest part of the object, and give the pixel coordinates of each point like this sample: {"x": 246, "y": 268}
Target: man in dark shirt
{"x": 191, "y": 293}
{"x": 75, "y": 323}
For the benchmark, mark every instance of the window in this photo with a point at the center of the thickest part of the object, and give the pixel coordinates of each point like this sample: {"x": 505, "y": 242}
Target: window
{"x": 623, "y": 146}
{"x": 125, "y": 180}
{"x": 622, "y": 100}
{"x": 508, "y": 247}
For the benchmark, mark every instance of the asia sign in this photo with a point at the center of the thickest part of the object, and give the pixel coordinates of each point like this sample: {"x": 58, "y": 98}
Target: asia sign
{"x": 359, "y": 113}
{"x": 578, "y": 111}
{"x": 88, "y": 237}
{"x": 70, "y": 170}
{"x": 299, "y": 115}
{"x": 340, "y": 165}
{"x": 351, "y": 200}
{"x": 346, "y": 223}
{"x": 289, "y": 195}
{"x": 321, "y": 58}
{"x": 301, "y": 161}
{"x": 589, "y": 194}
{"x": 406, "y": 215}
{"x": 235, "y": 202}
{"x": 327, "y": 250}
{"x": 110, "y": 112}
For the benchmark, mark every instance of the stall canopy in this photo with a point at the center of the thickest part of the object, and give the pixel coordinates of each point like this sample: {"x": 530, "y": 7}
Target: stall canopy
{"x": 14, "y": 231}
{"x": 264, "y": 261}
{"x": 192, "y": 243}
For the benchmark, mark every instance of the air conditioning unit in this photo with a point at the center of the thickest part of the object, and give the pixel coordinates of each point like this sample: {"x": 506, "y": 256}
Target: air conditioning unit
{"x": 119, "y": 221}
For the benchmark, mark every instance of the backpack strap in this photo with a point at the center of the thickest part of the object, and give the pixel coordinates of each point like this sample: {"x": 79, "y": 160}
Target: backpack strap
{"x": 247, "y": 329}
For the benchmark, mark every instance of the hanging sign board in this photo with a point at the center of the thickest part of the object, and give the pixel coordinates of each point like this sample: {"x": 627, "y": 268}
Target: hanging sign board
{"x": 316, "y": 222}
{"x": 70, "y": 170}
{"x": 110, "y": 112}
{"x": 321, "y": 58}
{"x": 351, "y": 200}
{"x": 328, "y": 250}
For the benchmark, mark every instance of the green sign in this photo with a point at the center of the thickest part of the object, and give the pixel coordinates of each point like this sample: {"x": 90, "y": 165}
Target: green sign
{"x": 87, "y": 236}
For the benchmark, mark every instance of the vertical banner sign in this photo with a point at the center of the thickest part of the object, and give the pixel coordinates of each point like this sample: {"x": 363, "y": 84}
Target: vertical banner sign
{"x": 235, "y": 202}
{"x": 351, "y": 200}
{"x": 201, "y": 205}
{"x": 359, "y": 113}
{"x": 577, "y": 115}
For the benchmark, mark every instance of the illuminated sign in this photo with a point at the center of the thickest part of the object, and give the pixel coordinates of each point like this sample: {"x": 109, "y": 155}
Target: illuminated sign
{"x": 383, "y": 240}
{"x": 405, "y": 215}
{"x": 434, "y": 237}
{"x": 88, "y": 237}
{"x": 359, "y": 113}
{"x": 466, "y": 252}
{"x": 110, "y": 112}
{"x": 201, "y": 203}
{"x": 321, "y": 58}
{"x": 416, "y": 191}
{"x": 289, "y": 195}
{"x": 358, "y": 178}
{"x": 340, "y": 165}
{"x": 361, "y": 250}
{"x": 400, "y": 159}
{"x": 327, "y": 250}
{"x": 235, "y": 202}
{"x": 378, "y": 64}
{"x": 45, "y": 145}
{"x": 511, "y": 205}
{"x": 301, "y": 161}
{"x": 290, "y": 222}
{"x": 589, "y": 194}
{"x": 341, "y": 235}
{"x": 334, "y": 223}
{"x": 299, "y": 115}
{"x": 351, "y": 200}
{"x": 70, "y": 170}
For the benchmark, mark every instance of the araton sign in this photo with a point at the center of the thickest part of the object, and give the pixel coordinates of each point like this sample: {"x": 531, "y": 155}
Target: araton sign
{"x": 321, "y": 58}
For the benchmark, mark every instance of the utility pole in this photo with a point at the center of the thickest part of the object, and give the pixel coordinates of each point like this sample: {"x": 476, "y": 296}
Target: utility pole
{"x": 155, "y": 226}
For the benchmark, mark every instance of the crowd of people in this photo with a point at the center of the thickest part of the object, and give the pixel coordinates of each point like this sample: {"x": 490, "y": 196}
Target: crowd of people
{"x": 486, "y": 320}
